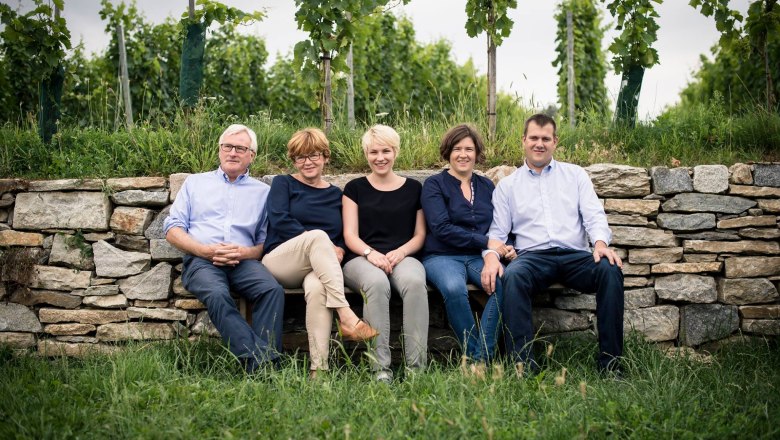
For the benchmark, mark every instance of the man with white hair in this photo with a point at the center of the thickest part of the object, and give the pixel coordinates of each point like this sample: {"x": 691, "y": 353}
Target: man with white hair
{"x": 219, "y": 221}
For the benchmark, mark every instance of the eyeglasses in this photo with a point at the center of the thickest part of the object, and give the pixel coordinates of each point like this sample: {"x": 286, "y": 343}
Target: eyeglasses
{"x": 312, "y": 157}
{"x": 240, "y": 149}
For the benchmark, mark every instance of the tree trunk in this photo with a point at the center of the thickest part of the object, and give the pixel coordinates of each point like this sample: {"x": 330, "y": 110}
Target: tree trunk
{"x": 50, "y": 98}
{"x": 491, "y": 71}
{"x": 628, "y": 99}
{"x": 124, "y": 81}
{"x": 770, "y": 88}
{"x": 327, "y": 111}
{"x": 191, "y": 72}
{"x": 770, "y": 96}
{"x": 350, "y": 90}
{"x": 570, "y": 61}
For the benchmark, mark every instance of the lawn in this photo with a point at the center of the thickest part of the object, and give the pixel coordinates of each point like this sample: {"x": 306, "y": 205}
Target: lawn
{"x": 185, "y": 389}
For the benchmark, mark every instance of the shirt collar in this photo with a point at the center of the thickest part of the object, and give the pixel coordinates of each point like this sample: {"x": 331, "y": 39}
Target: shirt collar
{"x": 225, "y": 177}
{"x": 549, "y": 168}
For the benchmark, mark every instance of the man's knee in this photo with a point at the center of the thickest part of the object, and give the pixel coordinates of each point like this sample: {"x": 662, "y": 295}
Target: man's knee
{"x": 610, "y": 273}
{"x": 517, "y": 273}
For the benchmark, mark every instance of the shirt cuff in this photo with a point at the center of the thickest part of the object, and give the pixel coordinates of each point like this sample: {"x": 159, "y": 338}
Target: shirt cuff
{"x": 490, "y": 251}
{"x": 604, "y": 239}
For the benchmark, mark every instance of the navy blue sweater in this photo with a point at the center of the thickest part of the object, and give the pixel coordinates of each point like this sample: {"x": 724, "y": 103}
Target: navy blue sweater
{"x": 294, "y": 208}
{"x": 455, "y": 226}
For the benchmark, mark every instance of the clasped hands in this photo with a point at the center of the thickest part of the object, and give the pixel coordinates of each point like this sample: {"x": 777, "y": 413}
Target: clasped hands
{"x": 387, "y": 261}
{"x": 224, "y": 254}
{"x": 493, "y": 268}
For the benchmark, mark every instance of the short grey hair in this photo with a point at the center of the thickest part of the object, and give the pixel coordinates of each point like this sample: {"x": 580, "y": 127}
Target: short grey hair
{"x": 238, "y": 128}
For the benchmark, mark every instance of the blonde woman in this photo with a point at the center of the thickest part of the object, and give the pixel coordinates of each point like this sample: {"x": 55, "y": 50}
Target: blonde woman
{"x": 305, "y": 245}
{"x": 384, "y": 229}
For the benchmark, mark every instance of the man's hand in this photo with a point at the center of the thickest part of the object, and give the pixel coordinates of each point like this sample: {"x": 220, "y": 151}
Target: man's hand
{"x": 490, "y": 271}
{"x": 508, "y": 252}
{"x": 381, "y": 261}
{"x": 395, "y": 256}
{"x": 227, "y": 254}
{"x": 601, "y": 250}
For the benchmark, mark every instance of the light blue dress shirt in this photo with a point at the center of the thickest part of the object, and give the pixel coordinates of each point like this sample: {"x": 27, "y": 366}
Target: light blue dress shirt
{"x": 213, "y": 210}
{"x": 553, "y": 209}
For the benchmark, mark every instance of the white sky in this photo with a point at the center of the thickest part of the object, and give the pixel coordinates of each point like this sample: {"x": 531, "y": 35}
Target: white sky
{"x": 524, "y": 61}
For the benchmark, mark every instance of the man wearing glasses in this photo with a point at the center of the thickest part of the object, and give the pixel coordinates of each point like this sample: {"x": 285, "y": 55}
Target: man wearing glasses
{"x": 551, "y": 209}
{"x": 219, "y": 220}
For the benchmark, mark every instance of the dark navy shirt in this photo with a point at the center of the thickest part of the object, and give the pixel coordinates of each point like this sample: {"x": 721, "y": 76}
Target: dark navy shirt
{"x": 455, "y": 226}
{"x": 294, "y": 208}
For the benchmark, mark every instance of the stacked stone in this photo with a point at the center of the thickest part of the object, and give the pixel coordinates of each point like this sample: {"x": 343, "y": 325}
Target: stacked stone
{"x": 98, "y": 278}
{"x": 85, "y": 264}
{"x": 701, "y": 246}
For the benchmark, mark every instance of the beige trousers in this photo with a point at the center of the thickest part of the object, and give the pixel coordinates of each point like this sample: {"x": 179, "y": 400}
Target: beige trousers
{"x": 309, "y": 260}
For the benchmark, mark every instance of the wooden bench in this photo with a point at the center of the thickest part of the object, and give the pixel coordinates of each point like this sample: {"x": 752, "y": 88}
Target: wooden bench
{"x": 475, "y": 292}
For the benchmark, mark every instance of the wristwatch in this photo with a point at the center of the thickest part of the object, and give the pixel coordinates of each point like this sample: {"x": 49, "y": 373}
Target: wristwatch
{"x": 367, "y": 251}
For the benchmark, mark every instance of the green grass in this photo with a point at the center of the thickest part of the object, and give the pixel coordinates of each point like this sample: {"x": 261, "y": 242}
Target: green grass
{"x": 702, "y": 134}
{"x": 185, "y": 390}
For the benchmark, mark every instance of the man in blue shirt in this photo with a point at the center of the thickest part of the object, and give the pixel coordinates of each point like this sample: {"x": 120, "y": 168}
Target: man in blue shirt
{"x": 551, "y": 209}
{"x": 219, "y": 220}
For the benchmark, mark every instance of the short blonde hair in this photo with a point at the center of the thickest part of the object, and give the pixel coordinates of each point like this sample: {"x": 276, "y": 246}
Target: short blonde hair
{"x": 381, "y": 134}
{"x": 307, "y": 141}
{"x": 238, "y": 128}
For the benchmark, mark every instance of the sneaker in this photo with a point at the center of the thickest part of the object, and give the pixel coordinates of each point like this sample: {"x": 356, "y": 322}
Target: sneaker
{"x": 385, "y": 377}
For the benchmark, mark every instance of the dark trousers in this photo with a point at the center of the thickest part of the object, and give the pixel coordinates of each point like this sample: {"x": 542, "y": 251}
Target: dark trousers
{"x": 262, "y": 342}
{"x": 534, "y": 271}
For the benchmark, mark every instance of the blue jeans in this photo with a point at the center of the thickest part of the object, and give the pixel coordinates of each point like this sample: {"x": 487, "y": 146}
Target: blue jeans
{"x": 534, "y": 271}
{"x": 262, "y": 342}
{"x": 450, "y": 274}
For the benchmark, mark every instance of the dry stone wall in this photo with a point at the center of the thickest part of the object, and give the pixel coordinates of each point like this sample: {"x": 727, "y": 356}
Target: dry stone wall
{"x": 85, "y": 265}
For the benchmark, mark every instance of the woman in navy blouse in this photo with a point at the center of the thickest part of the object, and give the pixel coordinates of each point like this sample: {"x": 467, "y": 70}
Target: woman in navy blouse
{"x": 458, "y": 211}
{"x": 305, "y": 244}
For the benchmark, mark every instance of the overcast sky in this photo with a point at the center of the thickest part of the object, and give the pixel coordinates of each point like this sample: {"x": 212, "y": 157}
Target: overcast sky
{"x": 524, "y": 60}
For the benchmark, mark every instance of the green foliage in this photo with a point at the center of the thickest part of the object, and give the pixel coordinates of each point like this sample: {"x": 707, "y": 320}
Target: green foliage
{"x": 181, "y": 389}
{"x": 633, "y": 52}
{"x": 153, "y": 59}
{"x": 331, "y": 28}
{"x": 194, "y": 44}
{"x": 234, "y": 70}
{"x": 491, "y": 17}
{"x": 187, "y": 143}
{"x": 726, "y": 19}
{"x": 590, "y": 65}
{"x": 397, "y": 76}
{"x": 745, "y": 68}
{"x": 212, "y": 11}
{"x": 636, "y": 21}
{"x": 32, "y": 46}
{"x": 289, "y": 95}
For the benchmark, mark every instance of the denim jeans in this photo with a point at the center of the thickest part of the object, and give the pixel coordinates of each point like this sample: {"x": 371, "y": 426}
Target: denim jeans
{"x": 262, "y": 342}
{"x": 534, "y": 271}
{"x": 450, "y": 274}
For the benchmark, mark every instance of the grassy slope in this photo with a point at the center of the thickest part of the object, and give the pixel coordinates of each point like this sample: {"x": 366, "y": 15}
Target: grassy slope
{"x": 701, "y": 135}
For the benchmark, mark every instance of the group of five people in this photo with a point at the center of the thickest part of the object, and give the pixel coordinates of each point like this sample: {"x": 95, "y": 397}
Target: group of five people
{"x": 386, "y": 233}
